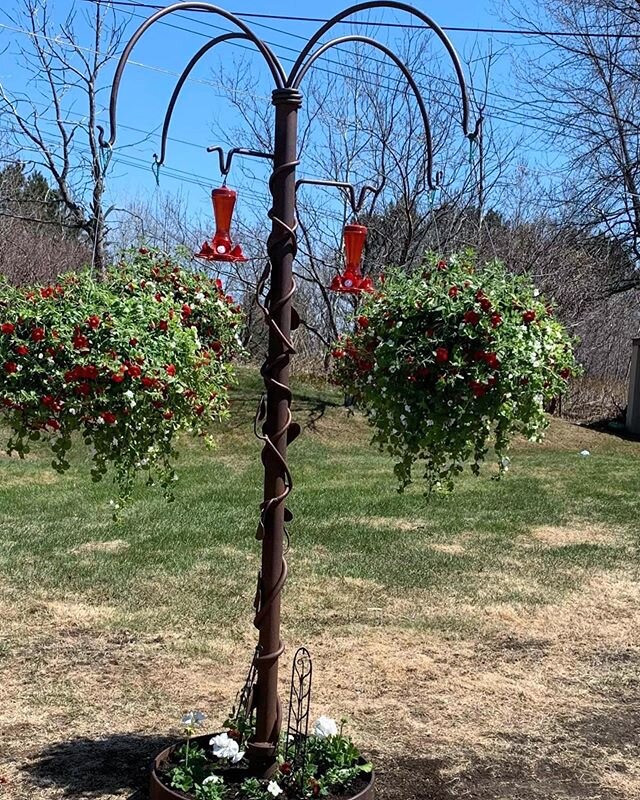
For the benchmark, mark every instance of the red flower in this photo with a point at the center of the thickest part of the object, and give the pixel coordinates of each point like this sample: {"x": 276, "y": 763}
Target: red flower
{"x": 94, "y": 321}
{"x": 10, "y": 366}
{"x": 478, "y": 355}
{"x": 286, "y": 768}
{"x": 199, "y": 410}
{"x": 363, "y": 322}
{"x": 46, "y": 292}
{"x": 37, "y": 334}
{"x": 423, "y": 372}
{"x": 528, "y": 317}
{"x": 229, "y": 299}
{"x": 53, "y": 424}
{"x": 134, "y": 370}
{"x": 492, "y": 360}
{"x": 442, "y": 355}
{"x": 496, "y": 320}
{"x": 80, "y": 342}
{"x": 442, "y": 265}
{"x": 453, "y": 291}
{"x": 117, "y": 377}
{"x": 22, "y": 349}
{"x": 163, "y": 325}
{"x": 218, "y": 284}
{"x": 168, "y": 414}
{"x": 133, "y": 342}
{"x": 216, "y": 346}
{"x": 143, "y": 251}
{"x": 186, "y": 310}
{"x": 108, "y": 417}
{"x": 485, "y": 304}
{"x": 90, "y": 372}
{"x": 158, "y": 297}
{"x": 170, "y": 370}
{"x": 7, "y": 327}
{"x": 148, "y": 382}
{"x": 565, "y": 374}
{"x": 338, "y": 353}
{"x": 478, "y": 389}
{"x": 472, "y": 317}
{"x": 83, "y": 389}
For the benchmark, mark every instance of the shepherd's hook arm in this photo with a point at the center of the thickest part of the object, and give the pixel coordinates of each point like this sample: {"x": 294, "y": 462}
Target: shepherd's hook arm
{"x": 294, "y": 78}
{"x": 407, "y": 75}
{"x": 277, "y": 71}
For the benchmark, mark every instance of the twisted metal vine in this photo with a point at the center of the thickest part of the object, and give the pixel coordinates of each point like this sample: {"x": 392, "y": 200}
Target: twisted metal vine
{"x": 290, "y": 429}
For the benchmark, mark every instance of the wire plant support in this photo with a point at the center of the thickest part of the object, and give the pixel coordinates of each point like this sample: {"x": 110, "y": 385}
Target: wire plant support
{"x": 276, "y": 287}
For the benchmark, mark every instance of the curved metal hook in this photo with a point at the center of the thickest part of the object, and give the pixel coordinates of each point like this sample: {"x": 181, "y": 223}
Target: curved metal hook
{"x": 300, "y": 66}
{"x": 225, "y": 37}
{"x": 225, "y": 163}
{"x": 356, "y": 205}
{"x": 405, "y": 71}
{"x": 274, "y": 65}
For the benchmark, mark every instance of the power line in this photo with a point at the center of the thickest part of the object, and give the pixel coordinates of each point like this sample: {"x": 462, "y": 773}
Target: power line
{"x": 523, "y": 121}
{"x": 533, "y": 32}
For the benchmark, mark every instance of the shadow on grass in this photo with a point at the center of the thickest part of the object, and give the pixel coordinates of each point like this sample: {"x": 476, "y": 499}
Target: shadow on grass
{"x": 120, "y": 764}
{"x": 98, "y": 767}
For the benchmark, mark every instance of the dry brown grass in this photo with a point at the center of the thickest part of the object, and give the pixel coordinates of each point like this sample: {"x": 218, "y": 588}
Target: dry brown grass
{"x": 555, "y": 685}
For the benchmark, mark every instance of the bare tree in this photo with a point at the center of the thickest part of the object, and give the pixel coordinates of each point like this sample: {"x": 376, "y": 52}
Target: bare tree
{"x": 583, "y": 80}
{"x": 61, "y": 70}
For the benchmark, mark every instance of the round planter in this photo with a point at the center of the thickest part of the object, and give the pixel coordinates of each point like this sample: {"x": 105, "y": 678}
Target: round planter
{"x": 159, "y": 791}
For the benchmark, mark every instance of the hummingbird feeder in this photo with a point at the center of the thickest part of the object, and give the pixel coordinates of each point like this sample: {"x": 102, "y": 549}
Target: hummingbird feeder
{"x": 352, "y": 280}
{"x": 221, "y": 247}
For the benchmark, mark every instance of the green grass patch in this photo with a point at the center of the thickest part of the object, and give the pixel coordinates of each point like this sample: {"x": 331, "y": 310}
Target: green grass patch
{"x": 192, "y": 564}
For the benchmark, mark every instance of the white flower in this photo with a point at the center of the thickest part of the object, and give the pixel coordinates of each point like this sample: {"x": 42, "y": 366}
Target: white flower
{"x": 224, "y": 747}
{"x": 199, "y": 296}
{"x": 193, "y": 719}
{"x": 585, "y": 453}
{"x": 212, "y": 779}
{"x": 325, "y": 726}
{"x": 274, "y": 789}
{"x": 129, "y": 394}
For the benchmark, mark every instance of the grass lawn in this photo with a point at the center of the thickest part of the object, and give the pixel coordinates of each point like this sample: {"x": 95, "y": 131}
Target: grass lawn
{"x": 483, "y": 645}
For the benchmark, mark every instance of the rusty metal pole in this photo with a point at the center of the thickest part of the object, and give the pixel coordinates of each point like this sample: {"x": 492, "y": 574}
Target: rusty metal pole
{"x": 277, "y": 430}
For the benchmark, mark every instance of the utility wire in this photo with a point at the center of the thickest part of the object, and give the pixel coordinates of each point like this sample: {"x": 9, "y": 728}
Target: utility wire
{"x": 402, "y": 25}
{"x": 523, "y": 119}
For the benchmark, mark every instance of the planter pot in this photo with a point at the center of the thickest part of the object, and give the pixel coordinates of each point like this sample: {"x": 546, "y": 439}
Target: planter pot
{"x": 159, "y": 791}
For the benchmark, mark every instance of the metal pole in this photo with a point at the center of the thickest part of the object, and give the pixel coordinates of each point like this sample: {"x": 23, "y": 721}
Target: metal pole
{"x": 276, "y": 429}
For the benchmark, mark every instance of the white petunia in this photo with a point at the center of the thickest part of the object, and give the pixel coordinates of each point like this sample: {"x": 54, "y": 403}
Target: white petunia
{"x": 225, "y": 747}
{"x": 193, "y": 719}
{"x": 325, "y": 726}
{"x": 274, "y": 789}
{"x": 212, "y": 779}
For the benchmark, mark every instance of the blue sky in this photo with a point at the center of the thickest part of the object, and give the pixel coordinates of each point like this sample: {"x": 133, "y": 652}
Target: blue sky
{"x": 165, "y": 50}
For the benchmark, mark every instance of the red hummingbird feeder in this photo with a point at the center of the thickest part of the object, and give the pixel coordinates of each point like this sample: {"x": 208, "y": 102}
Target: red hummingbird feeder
{"x": 352, "y": 280}
{"x": 221, "y": 247}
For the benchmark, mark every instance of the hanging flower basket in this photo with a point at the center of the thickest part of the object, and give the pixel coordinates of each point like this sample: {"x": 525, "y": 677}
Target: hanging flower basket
{"x": 452, "y": 360}
{"x": 126, "y": 363}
